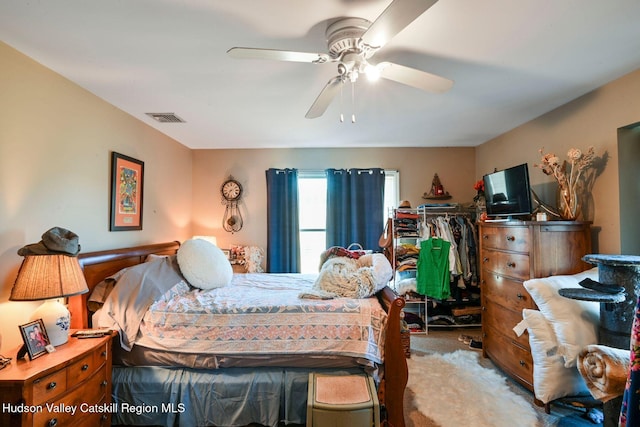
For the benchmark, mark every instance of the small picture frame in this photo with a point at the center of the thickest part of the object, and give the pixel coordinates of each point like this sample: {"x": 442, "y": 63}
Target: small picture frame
{"x": 35, "y": 338}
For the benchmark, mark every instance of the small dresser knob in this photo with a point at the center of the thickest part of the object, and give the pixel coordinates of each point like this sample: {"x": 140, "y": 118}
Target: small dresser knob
{"x": 103, "y": 354}
{"x": 485, "y": 259}
{"x": 511, "y": 238}
{"x": 522, "y": 363}
{"x": 104, "y": 383}
{"x": 485, "y": 236}
{"x": 520, "y": 296}
{"x": 53, "y": 422}
{"x": 85, "y": 367}
{"x": 511, "y": 264}
{"x": 51, "y": 385}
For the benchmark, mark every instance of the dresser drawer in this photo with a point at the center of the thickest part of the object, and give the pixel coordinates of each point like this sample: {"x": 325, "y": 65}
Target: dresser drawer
{"x": 83, "y": 369}
{"x": 497, "y": 289}
{"x": 504, "y": 320}
{"x": 506, "y": 238}
{"x": 510, "y": 357}
{"x": 92, "y": 392}
{"x": 506, "y": 263}
{"x": 49, "y": 387}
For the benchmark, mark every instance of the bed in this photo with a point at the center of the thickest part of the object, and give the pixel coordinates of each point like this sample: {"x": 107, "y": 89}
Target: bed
{"x": 187, "y": 388}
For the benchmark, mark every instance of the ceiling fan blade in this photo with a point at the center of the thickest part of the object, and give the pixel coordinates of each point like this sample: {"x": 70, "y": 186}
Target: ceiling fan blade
{"x": 414, "y": 78}
{"x": 324, "y": 99}
{"x": 394, "y": 19}
{"x": 277, "y": 55}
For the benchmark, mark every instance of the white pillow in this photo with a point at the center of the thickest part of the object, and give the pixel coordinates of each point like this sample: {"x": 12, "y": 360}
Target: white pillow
{"x": 204, "y": 265}
{"x": 574, "y": 322}
{"x": 382, "y": 270}
{"x": 551, "y": 379}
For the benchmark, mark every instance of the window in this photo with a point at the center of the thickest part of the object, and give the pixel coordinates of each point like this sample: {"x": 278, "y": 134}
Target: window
{"x": 312, "y": 195}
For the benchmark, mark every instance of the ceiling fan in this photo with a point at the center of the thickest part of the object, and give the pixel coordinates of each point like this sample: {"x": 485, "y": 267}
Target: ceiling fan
{"x": 351, "y": 43}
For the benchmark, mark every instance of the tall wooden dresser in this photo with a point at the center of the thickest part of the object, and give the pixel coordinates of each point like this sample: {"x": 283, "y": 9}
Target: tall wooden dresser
{"x": 510, "y": 253}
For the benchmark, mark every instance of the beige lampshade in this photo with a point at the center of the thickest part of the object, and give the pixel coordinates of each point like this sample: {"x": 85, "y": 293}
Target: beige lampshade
{"x": 48, "y": 276}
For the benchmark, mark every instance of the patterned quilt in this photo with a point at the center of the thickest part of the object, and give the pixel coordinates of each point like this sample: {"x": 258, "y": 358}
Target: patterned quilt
{"x": 262, "y": 314}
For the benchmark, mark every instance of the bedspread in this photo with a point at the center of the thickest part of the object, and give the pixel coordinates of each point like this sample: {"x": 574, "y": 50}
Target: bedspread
{"x": 261, "y": 314}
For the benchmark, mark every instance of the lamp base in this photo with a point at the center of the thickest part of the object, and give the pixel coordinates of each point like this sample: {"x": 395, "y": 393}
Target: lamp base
{"x": 56, "y": 319}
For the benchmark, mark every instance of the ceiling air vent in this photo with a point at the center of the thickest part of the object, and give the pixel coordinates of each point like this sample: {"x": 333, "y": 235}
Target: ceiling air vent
{"x": 165, "y": 117}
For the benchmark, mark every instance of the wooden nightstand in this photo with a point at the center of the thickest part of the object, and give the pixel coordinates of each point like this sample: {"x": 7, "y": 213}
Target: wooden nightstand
{"x": 69, "y": 387}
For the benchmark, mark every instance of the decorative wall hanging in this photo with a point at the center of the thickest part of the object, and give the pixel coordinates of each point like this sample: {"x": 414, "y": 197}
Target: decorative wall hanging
{"x": 437, "y": 190}
{"x": 127, "y": 177}
{"x": 231, "y": 191}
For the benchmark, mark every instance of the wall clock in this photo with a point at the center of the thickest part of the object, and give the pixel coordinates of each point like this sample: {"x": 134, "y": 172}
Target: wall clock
{"x": 231, "y": 191}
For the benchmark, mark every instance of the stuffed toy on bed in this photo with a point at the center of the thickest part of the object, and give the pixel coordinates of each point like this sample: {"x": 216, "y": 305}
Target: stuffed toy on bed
{"x": 351, "y": 278}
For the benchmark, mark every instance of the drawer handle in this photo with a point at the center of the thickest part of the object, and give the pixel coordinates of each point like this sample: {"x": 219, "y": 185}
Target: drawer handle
{"x": 511, "y": 264}
{"x": 522, "y": 363}
{"x": 485, "y": 259}
{"x": 104, "y": 417}
{"x": 85, "y": 367}
{"x": 520, "y": 296}
{"x": 53, "y": 422}
{"x": 104, "y": 383}
{"x": 511, "y": 238}
{"x": 104, "y": 354}
{"x": 485, "y": 236}
{"x": 52, "y": 385}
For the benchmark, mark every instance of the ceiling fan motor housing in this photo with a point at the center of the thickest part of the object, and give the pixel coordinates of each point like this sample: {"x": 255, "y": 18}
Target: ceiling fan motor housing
{"x": 344, "y": 36}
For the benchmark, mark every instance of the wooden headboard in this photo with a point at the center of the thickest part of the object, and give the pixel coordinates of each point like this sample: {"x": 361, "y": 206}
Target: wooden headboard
{"x": 97, "y": 266}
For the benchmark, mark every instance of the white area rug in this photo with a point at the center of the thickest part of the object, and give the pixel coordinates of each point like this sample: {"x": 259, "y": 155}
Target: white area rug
{"x": 454, "y": 390}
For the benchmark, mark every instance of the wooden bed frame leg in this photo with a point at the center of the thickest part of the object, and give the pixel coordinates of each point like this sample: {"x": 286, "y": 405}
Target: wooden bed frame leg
{"x": 396, "y": 373}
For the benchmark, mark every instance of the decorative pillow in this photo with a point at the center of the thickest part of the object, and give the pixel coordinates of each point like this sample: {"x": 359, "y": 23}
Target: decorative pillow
{"x": 574, "y": 322}
{"x": 551, "y": 379}
{"x": 204, "y": 265}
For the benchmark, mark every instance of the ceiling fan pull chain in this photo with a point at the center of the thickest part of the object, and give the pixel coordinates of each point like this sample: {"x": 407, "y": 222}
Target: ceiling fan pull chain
{"x": 341, "y": 106}
{"x": 353, "y": 101}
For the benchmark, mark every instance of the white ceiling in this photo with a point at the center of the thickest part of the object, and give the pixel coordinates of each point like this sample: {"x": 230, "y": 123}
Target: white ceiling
{"x": 511, "y": 62}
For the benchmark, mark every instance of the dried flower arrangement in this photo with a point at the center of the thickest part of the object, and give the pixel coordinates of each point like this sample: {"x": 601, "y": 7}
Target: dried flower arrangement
{"x": 570, "y": 177}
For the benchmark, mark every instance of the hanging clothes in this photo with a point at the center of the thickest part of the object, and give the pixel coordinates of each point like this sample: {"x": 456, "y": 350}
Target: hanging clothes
{"x": 433, "y": 275}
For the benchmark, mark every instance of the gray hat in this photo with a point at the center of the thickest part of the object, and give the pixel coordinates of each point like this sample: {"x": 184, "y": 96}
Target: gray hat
{"x": 55, "y": 241}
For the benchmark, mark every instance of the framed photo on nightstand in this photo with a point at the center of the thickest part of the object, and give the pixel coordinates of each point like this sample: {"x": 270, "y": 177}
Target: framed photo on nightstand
{"x": 35, "y": 338}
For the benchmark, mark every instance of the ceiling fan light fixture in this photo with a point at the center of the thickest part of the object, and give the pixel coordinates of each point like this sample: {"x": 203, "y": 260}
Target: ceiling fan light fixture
{"x": 372, "y": 72}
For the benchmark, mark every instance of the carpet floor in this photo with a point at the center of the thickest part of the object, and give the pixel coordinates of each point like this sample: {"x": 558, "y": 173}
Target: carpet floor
{"x": 445, "y": 340}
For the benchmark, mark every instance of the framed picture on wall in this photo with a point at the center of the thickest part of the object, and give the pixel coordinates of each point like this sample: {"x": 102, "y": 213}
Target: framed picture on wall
{"x": 127, "y": 178}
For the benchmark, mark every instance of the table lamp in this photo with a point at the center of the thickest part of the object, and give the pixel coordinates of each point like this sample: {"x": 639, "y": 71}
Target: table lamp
{"x": 48, "y": 277}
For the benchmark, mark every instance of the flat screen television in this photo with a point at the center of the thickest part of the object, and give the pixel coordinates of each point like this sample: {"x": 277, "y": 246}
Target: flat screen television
{"x": 508, "y": 193}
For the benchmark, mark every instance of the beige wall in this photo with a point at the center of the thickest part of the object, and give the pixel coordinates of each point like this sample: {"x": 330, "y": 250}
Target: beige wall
{"x": 55, "y": 144}
{"x": 454, "y": 166}
{"x": 591, "y": 120}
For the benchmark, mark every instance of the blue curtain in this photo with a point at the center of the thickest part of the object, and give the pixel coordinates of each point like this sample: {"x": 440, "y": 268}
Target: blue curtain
{"x": 283, "y": 241}
{"x": 355, "y": 207}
